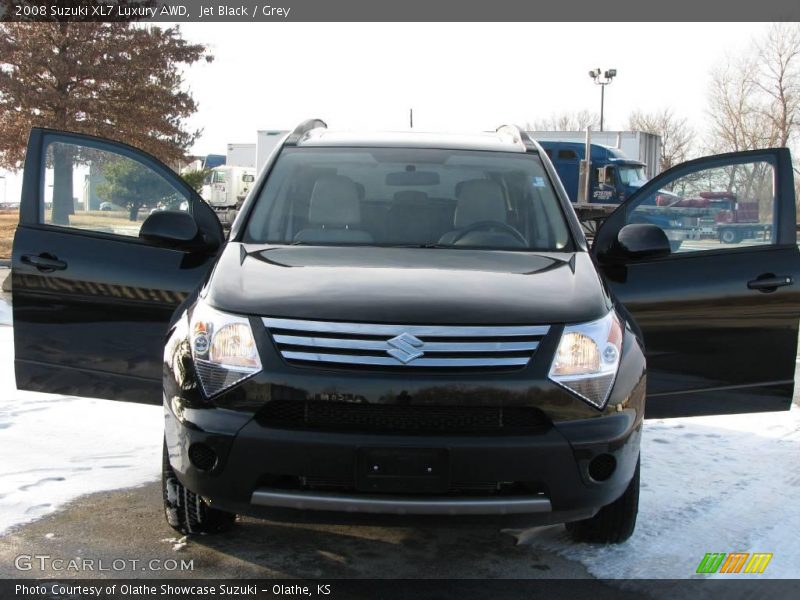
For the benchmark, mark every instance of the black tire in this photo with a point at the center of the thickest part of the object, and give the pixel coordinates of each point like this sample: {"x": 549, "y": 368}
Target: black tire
{"x": 730, "y": 236}
{"x": 186, "y": 511}
{"x": 614, "y": 523}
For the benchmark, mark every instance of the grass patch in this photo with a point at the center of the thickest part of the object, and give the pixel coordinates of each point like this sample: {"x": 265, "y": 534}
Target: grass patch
{"x": 105, "y": 221}
{"x": 8, "y": 225}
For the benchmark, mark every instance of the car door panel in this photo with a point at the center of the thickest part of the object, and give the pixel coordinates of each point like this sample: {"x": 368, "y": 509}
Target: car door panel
{"x": 717, "y": 340}
{"x": 91, "y": 309}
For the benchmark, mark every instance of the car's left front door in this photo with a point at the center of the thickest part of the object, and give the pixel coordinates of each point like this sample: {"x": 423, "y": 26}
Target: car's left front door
{"x": 91, "y": 299}
{"x": 719, "y": 318}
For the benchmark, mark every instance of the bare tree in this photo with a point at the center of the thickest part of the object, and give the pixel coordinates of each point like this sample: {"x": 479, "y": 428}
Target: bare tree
{"x": 754, "y": 100}
{"x": 675, "y": 132}
{"x": 778, "y": 78}
{"x": 734, "y": 107}
{"x": 566, "y": 121}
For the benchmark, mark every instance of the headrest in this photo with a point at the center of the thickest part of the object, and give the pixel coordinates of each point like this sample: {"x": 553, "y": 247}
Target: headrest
{"x": 334, "y": 203}
{"x": 479, "y": 200}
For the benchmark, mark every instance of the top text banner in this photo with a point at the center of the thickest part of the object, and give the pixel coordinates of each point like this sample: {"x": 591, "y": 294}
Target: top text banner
{"x": 404, "y": 10}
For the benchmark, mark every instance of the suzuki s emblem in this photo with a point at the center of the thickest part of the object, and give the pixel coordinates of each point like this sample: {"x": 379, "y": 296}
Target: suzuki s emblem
{"x": 405, "y": 348}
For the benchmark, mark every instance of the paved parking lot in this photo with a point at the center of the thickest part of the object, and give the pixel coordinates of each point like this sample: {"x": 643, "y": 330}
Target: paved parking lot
{"x": 129, "y": 525}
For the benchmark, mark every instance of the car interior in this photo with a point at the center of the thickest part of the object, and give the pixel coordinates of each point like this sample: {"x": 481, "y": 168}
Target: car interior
{"x": 500, "y": 210}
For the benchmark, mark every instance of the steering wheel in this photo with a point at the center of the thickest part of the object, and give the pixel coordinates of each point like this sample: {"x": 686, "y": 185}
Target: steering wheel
{"x": 487, "y": 226}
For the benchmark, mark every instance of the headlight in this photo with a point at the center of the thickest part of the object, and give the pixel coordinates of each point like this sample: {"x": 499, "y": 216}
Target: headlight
{"x": 587, "y": 359}
{"x": 223, "y": 348}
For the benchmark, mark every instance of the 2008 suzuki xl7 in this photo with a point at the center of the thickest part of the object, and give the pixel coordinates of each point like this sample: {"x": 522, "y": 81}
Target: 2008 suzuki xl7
{"x": 401, "y": 323}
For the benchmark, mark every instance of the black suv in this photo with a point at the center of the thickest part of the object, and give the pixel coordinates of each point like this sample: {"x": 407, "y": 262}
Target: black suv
{"x": 400, "y": 323}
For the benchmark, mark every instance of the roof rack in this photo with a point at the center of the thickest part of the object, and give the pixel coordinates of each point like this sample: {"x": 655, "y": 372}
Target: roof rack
{"x": 302, "y": 129}
{"x": 519, "y": 136}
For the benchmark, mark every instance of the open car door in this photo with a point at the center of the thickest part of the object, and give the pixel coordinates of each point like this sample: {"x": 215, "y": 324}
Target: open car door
{"x": 94, "y": 286}
{"x": 719, "y": 313}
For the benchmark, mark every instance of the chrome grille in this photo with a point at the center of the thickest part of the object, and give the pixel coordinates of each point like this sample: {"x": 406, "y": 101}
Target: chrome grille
{"x": 383, "y": 346}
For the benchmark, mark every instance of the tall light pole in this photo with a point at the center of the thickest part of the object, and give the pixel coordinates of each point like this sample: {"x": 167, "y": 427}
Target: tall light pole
{"x": 602, "y": 79}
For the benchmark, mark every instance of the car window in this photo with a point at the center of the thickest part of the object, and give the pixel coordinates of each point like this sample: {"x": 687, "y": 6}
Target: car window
{"x": 567, "y": 155}
{"x": 730, "y": 206}
{"x": 632, "y": 175}
{"x": 98, "y": 190}
{"x": 408, "y": 196}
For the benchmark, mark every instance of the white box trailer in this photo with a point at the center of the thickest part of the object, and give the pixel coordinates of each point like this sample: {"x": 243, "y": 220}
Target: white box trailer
{"x": 241, "y": 155}
{"x": 638, "y": 145}
{"x": 265, "y": 143}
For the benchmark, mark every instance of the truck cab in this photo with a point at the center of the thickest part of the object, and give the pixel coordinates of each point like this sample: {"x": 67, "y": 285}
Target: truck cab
{"x": 225, "y": 188}
{"x": 614, "y": 176}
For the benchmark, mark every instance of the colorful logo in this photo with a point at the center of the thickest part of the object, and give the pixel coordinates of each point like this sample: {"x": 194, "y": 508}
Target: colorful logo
{"x": 734, "y": 562}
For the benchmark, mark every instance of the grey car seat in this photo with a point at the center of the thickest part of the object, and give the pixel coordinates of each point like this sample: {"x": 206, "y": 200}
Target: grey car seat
{"x": 478, "y": 200}
{"x": 334, "y": 213}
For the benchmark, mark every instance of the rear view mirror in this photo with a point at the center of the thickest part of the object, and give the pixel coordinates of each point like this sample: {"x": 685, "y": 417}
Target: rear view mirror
{"x": 638, "y": 241}
{"x": 412, "y": 178}
{"x": 173, "y": 229}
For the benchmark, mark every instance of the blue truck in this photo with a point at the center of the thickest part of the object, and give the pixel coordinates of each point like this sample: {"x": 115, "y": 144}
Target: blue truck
{"x": 614, "y": 176}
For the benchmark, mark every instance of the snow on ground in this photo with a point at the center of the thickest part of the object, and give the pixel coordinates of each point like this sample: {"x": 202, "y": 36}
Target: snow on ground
{"x": 709, "y": 484}
{"x": 5, "y": 311}
{"x": 54, "y": 449}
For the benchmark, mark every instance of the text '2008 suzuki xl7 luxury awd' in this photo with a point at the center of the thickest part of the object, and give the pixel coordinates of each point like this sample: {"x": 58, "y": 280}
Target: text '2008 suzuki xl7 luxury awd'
{"x": 401, "y": 323}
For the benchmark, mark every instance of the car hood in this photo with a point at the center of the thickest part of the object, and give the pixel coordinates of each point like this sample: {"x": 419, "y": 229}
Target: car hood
{"x": 407, "y": 285}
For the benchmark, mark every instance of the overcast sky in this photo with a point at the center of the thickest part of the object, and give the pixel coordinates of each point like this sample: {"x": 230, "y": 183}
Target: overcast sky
{"x": 455, "y": 76}
{"x": 469, "y": 76}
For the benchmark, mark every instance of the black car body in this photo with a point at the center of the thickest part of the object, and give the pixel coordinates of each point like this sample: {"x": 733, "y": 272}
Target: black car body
{"x": 443, "y": 374}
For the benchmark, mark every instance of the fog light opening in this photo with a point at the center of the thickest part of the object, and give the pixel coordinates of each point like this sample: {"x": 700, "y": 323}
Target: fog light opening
{"x": 602, "y": 467}
{"x": 202, "y": 456}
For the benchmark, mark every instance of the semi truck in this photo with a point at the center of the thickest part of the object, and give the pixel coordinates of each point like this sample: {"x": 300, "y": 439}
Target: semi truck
{"x": 613, "y": 176}
{"x": 719, "y": 215}
{"x": 225, "y": 188}
{"x": 267, "y": 141}
{"x": 636, "y": 145}
{"x": 241, "y": 155}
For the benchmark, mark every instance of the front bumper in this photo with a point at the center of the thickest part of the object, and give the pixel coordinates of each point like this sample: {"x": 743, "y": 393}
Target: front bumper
{"x": 545, "y": 475}
{"x": 259, "y": 467}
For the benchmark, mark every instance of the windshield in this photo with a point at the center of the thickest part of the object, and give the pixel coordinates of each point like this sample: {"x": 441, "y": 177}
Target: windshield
{"x": 408, "y": 197}
{"x": 214, "y": 177}
{"x": 631, "y": 175}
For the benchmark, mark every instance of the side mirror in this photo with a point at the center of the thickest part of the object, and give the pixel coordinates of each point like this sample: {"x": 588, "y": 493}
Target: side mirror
{"x": 641, "y": 240}
{"x": 602, "y": 175}
{"x": 172, "y": 229}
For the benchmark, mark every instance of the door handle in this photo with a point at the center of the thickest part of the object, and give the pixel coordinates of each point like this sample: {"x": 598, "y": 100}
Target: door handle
{"x": 770, "y": 283}
{"x": 44, "y": 262}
